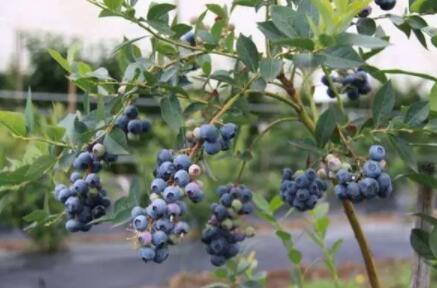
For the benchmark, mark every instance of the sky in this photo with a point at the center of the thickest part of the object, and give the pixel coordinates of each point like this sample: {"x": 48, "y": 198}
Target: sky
{"x": 79, "y": 19}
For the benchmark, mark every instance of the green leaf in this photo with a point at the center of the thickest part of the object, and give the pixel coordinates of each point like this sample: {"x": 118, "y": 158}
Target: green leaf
{"x": 275, "y": 203}
{"x": 351, "y": 39}
{"x": 261, "y": 203}
{"x": 270, "y": 68}
{"x": 417, "y": 113}
{"x": 171, "y": 112}
{"x": 419, "y": 240}
{"x": 341, "y": 58}
{"x": 427, "y": 218}
{"x": 283, "y": 235}
{"x": 248, "y": 3}
{"x": 295, "y": 256}
{"x": 433, "y": 99}
{"x": 39, "y": 167}
{"x": 60, "y": 59}
{"x": 326, "y": 126}
{"x": 28, "y": 112}
{"x": 383, "y": 104}
{"x": 36, "y": 216}
{"x": 14, "y": 121}
{"x": 113, "y": 4}
{"x": 284, "y": 19}
{"x": 248, "y": 52}
{"x": 404, "y": 150}
{"x": 424, "y": 6}
{"x": 158, "y": 12}
{"x": 270, "y": 31}
{"x": 426, "y": 180}
{"x": 115, "y": 142}
{"x": 217, "y": 10}
{"x": 366, "y": 26}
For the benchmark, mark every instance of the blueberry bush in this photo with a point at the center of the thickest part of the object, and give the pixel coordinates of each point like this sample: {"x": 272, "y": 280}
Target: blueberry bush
{"x": 306, "y": 45}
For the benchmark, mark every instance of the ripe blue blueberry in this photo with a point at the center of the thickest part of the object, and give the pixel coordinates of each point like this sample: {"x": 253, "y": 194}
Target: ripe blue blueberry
{"x": 64, "y": 194}
{"x": 302, "y": 194}
{"x": 209, "y": 133}
{"x": 147, "y": 254}
{"x": 218, "y": 260}
{"x": 165, "y": 155}
{"x": 159, "y": 238}
{"x": 98, "y": 211}
{"x": 212, "y": 147}
{"x": 368, "y": 187}
{"x": 181, "y": 178}
{"x": 377, "y": 152}
{"x": 247, "y": 208}
{"x": 181, "y": 228}
{"x": 73, "y": 205}
{"x": 159, "y": 207}
{"x": 122, "y": 122}
{"x": 80, "y": 187}
{"x": 385, "y": 185}
{"x": 93, "y": 180}
{"x": 222, "y": 189}
{"x": 172, "y": 194}
{"x": 287, "y": 174}
{"x": 194, "y": 192}
{"x": 245, "y": 194}
{"x": 311, "y": 174}
{"x": 354, "y": 192}
{"x": 137, "y": 211}
{"x": 386, "y": 4}
{"x": 131, "y": 112}
{"x": 161, "y": 254}
{"x": 166, "y": 170}
{"x": 225, "y": 144}
{"x": 164, "y": 224}
{"x": 83, "y": 161}
{"x": 158, "y": 185}
{"x": 73, "y": 225}
{"x": 220, "y": 212}
{"x": 228, "y": 131}
{"x": 85, "y": 215}
{"x": 135, "y": 127}
{"x": 353, "y": 94}
{"x": 343, "y": 176}
{"x": 299, "y": 205}
{"x": 182, "y": 161}
{"x": 75, "y": 176}
{"x": 174, "y": 209}
{"x": 341, "y": 192}
{"x": 365, "y": 12}
{"x": 302, "y": 181}
{"x": 371, "y": 169}
{"x": 140, "y": 223}
{"x": 226, "y": 200}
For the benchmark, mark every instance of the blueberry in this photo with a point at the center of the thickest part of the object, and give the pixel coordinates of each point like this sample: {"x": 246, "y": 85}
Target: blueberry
{"x": 161, "y": 254}
{"x": 302, "y": 194}
{"x": 218, "y": 260}
{"x": 245, "y": 194}
{"x": 93, "y": 180}
{"x": 368, "y": 187}
{"x": 343, "y": 176}
{"x": 371, "y": 169}
{"x": 145, "y": 126}
{"x": 365, "y": 89}
{"x": 137, "y": 211}
{"x": 209, "y": 133}
{"x": 231, "y": 250}
{"x": 145, "y": 238}
{"x": 85, "y": 215}
{"x": 131, "y": 112}
{"x": 222, "y": 189}
{"x": 365, "y": 12}
{"x": 386, "y": 4}
{"x": 164, "y": 224}
{"x": 147, "y": 254}
{"x": 158, "y": 185}
{"x": 181, "y": 178}
{"x": 73, "y": 225}
{"x": 110, "y": 157}
{"x": 190, "y": 38}
{"x": 135, "y": 127}
{"x": 140, "y": 223}
{"x": 194, "y": 192}
{"x": 122, "y": 122}
{"x": 353, "y": 192}
{"x": 341, "y": 192}
{"x": 165, "y": 155}
{"x": 73, "y": 205}
{"x": 181, "y": 228}
{"x": 83, "y": 161}
{"x": 96, "y": 166}
{"x": 325, "y": 80}
{"x": 159, "y": 238}
{"x": 75, "y": 176}
{"x": 287, "y": 174}
{"x": 228, "y": 131}
{"x": 225, "y": 144}
{"x": 182, "y": 161}
{"x": 98, "y": 211}
{"x": 311, "y": 174}
{"x": 174, "y": 209}
{"x": 302, "y": 181}
{"x": 311, "y": 202}
{"x": 218, "y": 245}
{"x": 353, "y": 93}
{"x": 226, "y": 200}
{"x": 247, "y": 208}
{"x": 331, "y": 93}
{"x": 212, "y": 147}
{"x": 385, "y": 185}
{"x": 80, "y": 187}
{"x": 289, "y": 187}
{"x": 98, "y": 150}
{"x": 172, "y": 194}
{"x": 220, "y": 212}
{"x": 166, "y": 170}
{"x": 208, "y": 234}
{"x": 159, "y": 207}
{"x": 299, "y": 205}
{"x": 377, "y": 152}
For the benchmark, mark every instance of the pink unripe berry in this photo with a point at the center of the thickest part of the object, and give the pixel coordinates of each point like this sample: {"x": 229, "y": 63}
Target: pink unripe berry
{"x": 145, "y": 238}
{"x": 194, "y": 170}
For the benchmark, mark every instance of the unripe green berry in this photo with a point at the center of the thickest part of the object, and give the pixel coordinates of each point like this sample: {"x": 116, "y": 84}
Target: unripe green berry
{"x": 249, "y": 231}
{"x": 346, "y": 166}
{"x": 154, "y": 196}
{"x": 196, "y": 133}
{"x": 236, "y": 205}
{"x": 133, "y": 137}
{"x": 227, "y": 224}
{"x": 98, "y": 150}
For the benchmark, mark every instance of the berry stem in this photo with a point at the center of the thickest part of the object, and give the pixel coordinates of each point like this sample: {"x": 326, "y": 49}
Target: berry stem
{"x": 362, "y": 242}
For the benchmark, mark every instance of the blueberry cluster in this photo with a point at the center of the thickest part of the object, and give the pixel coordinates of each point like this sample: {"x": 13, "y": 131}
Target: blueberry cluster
{"x": 216, "y": 139}
{"x": 352, "y": 84}
{"x": 85, "y": 200}
{"x": 372, "y": 182}
{"x": 158, "y": 225}
{"x": 386, "y": 4}
{"x": 223, "y": 232}
{"x": 302, "y": 189}
{"x": 130, "y": 124}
